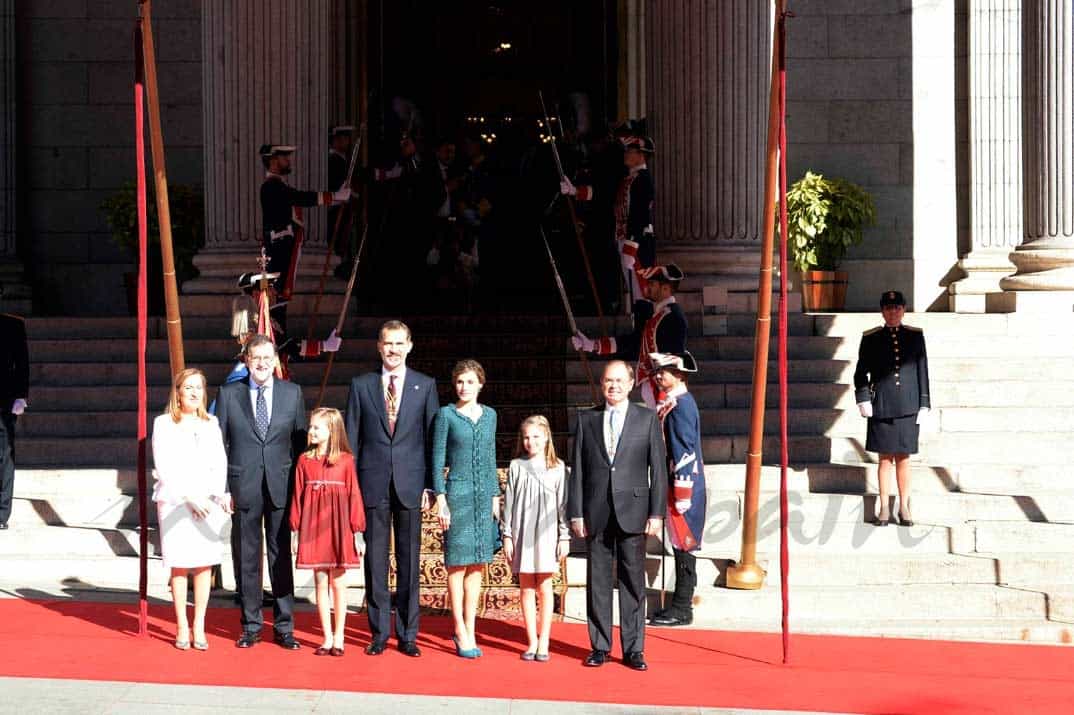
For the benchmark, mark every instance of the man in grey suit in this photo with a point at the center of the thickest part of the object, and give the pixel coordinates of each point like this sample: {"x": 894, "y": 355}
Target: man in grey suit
{"x": 389, "y": 424}
{"x": 264, "y": 425}
{"x": 616, "y": 497}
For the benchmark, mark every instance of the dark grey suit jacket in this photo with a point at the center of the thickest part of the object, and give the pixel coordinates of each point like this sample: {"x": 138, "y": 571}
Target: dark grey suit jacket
{"x": 402, "y": 458}
{"x": 637, "y": 480}
{"x": 251, "y": 459}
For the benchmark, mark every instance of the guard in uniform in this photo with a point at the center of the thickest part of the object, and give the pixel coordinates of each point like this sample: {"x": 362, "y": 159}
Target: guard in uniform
{"x": 281, "y": 215}
{"x": 891, "y": 383}
{"x": 341, "y": 142}
{"x": 633, "y": 210}
{"x": 14, "y": 391}
{"x": 685, "y": 522}
{"x": 659, "y": 327}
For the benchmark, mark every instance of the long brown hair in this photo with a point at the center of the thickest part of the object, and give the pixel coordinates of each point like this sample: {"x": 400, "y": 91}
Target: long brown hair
{"x": 337, "y": 435}
{"x": 550, "y": 458}
{"x": 174, "y": 407}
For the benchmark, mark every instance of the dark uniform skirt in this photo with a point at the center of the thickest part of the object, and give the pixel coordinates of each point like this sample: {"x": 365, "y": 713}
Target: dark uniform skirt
{"x": 894, "y": 435}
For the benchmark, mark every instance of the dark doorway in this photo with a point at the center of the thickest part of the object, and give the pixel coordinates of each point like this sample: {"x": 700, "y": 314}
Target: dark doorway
{"x": 467, "y": 73}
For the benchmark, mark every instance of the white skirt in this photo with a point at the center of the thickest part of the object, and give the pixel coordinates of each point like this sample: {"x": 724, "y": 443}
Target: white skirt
{"x": 187, "y": 543}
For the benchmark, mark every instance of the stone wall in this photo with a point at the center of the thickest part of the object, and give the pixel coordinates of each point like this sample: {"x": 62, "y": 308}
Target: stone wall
{"x": 850, "y": 114}
{"x": 76, "y": 136}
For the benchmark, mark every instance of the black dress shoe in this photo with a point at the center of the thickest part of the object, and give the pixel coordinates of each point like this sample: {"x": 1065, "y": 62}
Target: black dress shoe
{"x": 671, "y": 619}
{"x": 287, "y": 641}
{"x": 375, "y": 648}
{"x": 409, "y": 648}
{"x": 248, "y": 640}
{"x": 636, "y": 660}
{"x": 596, "y": 658}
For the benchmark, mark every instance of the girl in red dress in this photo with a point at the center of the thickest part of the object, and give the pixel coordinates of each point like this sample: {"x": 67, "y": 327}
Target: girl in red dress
{"x": 328, "y": 517}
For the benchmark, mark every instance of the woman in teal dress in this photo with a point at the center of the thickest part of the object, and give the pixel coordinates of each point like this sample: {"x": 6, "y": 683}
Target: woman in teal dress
{"x": 467, "y": 497}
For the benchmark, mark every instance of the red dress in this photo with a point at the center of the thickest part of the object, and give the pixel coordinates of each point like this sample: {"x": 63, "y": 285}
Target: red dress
{"x": 326, "y": 511}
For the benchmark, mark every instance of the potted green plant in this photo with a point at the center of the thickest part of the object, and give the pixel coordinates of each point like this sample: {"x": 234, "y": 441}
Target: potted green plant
{"x": 186, "y": 206}
{"x": 825, "y": 217}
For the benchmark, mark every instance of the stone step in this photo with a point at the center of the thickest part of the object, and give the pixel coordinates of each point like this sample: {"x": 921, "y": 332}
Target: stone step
{"x": 200, "y": 351}
{"x": 811, "y": 570}
{"x": 954, "y": 447}
{"x": 103, "y": 398}
{"x": 820, "y": 347}
{"x": 1022, "y": 537}
{"x": 723, "y": 537}
{"x": 842, "y": 371}
{"x": 929, "y": 601}
{"x": 528, "y": 367}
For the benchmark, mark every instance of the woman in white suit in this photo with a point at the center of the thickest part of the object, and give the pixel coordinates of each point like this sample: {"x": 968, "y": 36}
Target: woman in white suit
{"x": 192, "y": 507}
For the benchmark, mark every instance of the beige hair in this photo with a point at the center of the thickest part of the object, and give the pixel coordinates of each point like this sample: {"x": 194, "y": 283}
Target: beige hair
{"x": 337, "y": 434}
{"x": 174, "y": 407}
{"x": 550, "y": 458}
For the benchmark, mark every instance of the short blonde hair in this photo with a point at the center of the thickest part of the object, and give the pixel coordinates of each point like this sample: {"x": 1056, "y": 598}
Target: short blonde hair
{"x": 174, "y": 407}
{"x": 550, "y": 458}
{"x": 337, "y": 434}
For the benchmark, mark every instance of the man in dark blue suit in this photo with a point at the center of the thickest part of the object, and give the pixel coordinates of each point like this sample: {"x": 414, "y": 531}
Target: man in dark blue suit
{"x": 263, "y": 421}
{"x": 389, "y": 424}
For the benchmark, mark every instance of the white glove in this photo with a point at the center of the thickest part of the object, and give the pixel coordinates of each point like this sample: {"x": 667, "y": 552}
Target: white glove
{"x": 866, "y": 409}
{"x": 922, "y": 415}
{"x": 627, "y": 260}
{"x": 682, "y": 506}
{"x": 342, "y": 195}
{"x": 18, "y": 407}
{"x": 432, "y": 258}
{"x": 359, "y": 543}
{"x": 567, "y": 188}
{"x": 583, "y": 344}
{"x": 331, "y": 343}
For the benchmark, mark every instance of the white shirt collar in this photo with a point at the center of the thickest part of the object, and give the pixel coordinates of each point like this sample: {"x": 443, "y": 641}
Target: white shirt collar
{"x": 338, "y": 153}
{"x": 399, "y": 372}
{"x": 268, "y": 383}
{"x": 678, "y": 391}
{"x": 620, "y": 408}
{"x": 272, "y": 175}
{"x": 636, "y": 169}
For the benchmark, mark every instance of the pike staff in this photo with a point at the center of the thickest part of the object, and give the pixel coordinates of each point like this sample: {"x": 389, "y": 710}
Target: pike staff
{"x": 347, "y": 208}
{"x": 574, "y": 222}
{"x": 570, "y": 315}
{"x": 343, "y": 312}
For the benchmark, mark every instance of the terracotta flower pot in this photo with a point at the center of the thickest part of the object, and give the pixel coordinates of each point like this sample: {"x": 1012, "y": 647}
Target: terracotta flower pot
{"x": 824, "y": 290}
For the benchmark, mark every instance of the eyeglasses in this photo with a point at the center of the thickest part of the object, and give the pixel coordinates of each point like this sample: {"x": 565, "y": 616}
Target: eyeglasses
{"x": 261, "y": 358}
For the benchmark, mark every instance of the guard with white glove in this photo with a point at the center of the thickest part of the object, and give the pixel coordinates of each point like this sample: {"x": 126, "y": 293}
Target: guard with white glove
{"x": 332, "y": 343}
{"x": 341, "y": 196}
{"x": 583, "y": 344}
{"x": 567, "y": 188}
{"x": 18, "y": 406}
{"x": 866, "y": 409}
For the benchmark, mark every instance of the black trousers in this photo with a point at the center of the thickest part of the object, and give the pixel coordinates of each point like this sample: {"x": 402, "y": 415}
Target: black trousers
{"x": 628, "y": 550}
{"x": 7, "y": 464}
{"x": 682, "y": 601}
{"x": 263, "y": 525}
{"x": 380, "y": 519}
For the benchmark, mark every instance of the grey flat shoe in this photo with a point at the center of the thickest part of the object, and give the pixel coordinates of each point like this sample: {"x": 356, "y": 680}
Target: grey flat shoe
{"x": 542, "y": 657}
{"x": 528, "y": 655}
{"x": 201, "y": 645}
{"x": 182, "y": 645}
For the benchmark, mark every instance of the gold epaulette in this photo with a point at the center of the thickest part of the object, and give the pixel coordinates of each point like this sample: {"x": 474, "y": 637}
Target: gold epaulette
{"x": 910, "y": 327}
{"x": 870, "y": 331}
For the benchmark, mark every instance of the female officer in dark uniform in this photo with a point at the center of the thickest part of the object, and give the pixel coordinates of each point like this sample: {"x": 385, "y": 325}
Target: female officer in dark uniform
{"x": 891, "y": 385}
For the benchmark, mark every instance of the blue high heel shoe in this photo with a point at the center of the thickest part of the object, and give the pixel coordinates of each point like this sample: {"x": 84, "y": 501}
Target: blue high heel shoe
{"x": 469, "y": 653}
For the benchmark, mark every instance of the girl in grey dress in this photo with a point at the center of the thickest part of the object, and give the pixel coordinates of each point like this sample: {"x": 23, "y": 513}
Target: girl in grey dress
{"x": 536, "y": 534}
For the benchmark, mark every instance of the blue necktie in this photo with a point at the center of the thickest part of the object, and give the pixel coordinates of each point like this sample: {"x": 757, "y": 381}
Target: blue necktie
{"x": 613, "y": 435}
{"x": 261, "y": 418}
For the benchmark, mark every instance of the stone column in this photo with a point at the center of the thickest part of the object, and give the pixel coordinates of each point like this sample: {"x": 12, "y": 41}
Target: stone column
{"x": 632, "y": 64}
{"x": 995, "y": 151}
{"x": 708, "y": 77}
{"x": 269, "y": 75}
{"x": 16, "y": 291}
{"x": 1045, "y": 260}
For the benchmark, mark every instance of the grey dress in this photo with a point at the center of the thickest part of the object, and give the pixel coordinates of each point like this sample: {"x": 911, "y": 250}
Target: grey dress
{"x": 535, "y": 515}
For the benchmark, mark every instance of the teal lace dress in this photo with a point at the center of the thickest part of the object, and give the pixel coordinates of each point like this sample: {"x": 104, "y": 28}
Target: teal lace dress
{"x": 464, "y": 469}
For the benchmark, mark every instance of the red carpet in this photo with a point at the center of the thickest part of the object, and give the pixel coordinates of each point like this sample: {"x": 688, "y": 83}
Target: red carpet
{"x": 97, "y": 641}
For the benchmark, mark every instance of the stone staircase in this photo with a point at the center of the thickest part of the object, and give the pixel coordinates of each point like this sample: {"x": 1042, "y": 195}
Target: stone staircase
{"x": 75, "y": 516}
{"x": 988, "y": 557}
